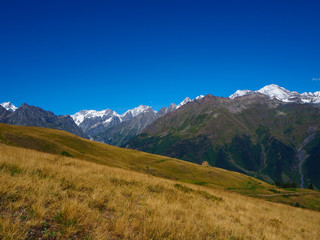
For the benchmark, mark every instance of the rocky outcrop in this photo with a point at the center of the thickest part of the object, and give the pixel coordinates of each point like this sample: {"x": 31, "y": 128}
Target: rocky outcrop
{"x": 27, "y": 115}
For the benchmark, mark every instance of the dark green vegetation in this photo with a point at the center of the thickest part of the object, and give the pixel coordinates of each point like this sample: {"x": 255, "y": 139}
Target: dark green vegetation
{"x": 263, "y": 138}
{"x": 66, "y": 144}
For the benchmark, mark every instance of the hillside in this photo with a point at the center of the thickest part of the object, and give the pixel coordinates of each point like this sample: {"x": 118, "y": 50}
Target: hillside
{"x": 65, "y": 144}
{"x": 262, "y": 137}
{"x": 45, "y": 196}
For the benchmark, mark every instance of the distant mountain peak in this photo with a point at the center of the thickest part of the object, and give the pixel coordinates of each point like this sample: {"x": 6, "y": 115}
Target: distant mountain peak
{"x": 199, "y": 97}
{"x": 240, "y": 93}
{"x": 274, "y": 91}
{"x": 79, "y": 117}
{"x": 9, "y": 106}
{"x": 99, "y": 123}
{"x": 137, "y": 111}
{"x": 186, "y": 100}
{"x": 28, "y": 115}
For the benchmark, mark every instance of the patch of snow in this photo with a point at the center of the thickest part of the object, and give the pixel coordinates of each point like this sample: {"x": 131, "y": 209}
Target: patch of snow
{"x": 186, "y": 100}
{"x": 9, "y": 106}
{"x": 199, "y": 97}
{"x": 240, "y": 93}
{"x": 108, "y": 120}
{"x": 136, "y": 111}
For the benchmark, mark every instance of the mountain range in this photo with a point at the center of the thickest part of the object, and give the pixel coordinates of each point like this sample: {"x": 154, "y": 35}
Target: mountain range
{"x": 282, "y": 94}
{"x": 27, "y": 115}
{"x": 110, "y": 127}
{"x": 271, "y": 133}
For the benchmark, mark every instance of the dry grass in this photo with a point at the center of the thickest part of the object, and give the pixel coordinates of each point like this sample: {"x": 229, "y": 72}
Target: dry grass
{"x": 53, "y": 197}
{"x": 67, "y": 144}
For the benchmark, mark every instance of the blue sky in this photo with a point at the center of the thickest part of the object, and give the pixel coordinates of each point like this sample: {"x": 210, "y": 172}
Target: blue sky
{"x": 65, "y": 56}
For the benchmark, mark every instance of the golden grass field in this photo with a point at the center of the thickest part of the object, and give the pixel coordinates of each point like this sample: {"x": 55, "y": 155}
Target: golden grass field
{"x": 64, "y": 143}
{"x": 46, "y": 196}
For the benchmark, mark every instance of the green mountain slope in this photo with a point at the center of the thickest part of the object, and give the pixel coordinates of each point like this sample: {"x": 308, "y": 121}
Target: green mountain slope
{"x": 254, "y": 135}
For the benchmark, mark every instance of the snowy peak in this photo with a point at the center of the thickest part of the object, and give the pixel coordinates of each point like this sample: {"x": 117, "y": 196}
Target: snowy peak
{"x": 274, "y": 91}
{"x": 107, "y": 116}
{"x": 199, "y": 97}
{"x": 186, "y": 100}
{"x": 79, "y": 117}
{"x": 136, "y": 111}
{"x": 9, "y": 106}
{"x": 310, "y": 97}
{"x": 94, "y": 122}
{"x": 240, "y": 93}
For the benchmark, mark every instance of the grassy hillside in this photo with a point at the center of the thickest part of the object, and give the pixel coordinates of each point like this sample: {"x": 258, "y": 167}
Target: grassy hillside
{"x": 46, "y": 196}
{"x": 65, "y": 144}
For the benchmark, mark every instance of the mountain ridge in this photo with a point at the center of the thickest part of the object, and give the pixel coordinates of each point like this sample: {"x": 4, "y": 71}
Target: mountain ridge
{"x": 106, "y": 124}
{"x": 282, "y": 94}
{"x": 28, "y": 115}
{"x": 252, "y": 134}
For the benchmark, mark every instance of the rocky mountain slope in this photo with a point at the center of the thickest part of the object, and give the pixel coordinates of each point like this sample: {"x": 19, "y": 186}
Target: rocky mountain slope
{"x": 257, "y": 134}
{"x": 27, "y": 115}
{"x": 123, "y": 132}
{"x": 109, "y": 127}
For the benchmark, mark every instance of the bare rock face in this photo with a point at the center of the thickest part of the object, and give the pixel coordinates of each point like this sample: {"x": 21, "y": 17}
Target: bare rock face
{"x": 27, "y": 115}
{"x": 3, "y": 112}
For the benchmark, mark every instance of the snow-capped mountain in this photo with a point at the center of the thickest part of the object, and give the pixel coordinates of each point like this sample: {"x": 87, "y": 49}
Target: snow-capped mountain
{"x": 186, "y": 100}
{"x": 92, "y": 121}
{"x": 276, "y": 92}
{"x": 134, "y": 112}
{"x": 310, "y": 97}
{"x": 141, "y": 118}
{"x": 105, "y": 115}
{"x": 95, "y": 122}
{"x": 9, "y": 106}
{"x": 199, "y": 97}
{"x": 240, "y": 93}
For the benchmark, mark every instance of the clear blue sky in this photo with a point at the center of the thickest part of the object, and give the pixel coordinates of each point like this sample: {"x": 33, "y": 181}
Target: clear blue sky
{"x": 65, "y": 56}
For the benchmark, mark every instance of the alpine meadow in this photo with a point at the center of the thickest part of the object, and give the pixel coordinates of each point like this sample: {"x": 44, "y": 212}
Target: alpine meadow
{"x": 159, "y": 120}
